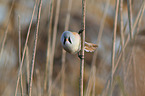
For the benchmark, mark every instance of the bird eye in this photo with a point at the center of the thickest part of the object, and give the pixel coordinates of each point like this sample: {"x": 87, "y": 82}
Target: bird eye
{"x": 64, "y": 41}
{"x": 69, "y": 40}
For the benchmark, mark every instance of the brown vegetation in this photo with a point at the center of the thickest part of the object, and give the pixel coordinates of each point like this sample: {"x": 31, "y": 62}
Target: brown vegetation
{"x": 128, "y": 71}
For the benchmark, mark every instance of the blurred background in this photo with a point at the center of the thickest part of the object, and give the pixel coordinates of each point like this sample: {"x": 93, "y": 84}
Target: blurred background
{"x": 56, "y": 16}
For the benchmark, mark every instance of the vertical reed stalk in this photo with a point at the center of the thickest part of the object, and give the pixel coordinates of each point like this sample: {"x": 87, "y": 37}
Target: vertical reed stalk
{"x": 98, "y": 41}
{"x": 94, "y": 80}
{"x": 140, "y": 18}
{"x": 20, "y": 69}
{"x": 6, "y": 31}
{"x": 34, "y": 50}
{"x": 53, "y": 47}
{"x": 90, "y": 84}
{"x": 125, "y": 44}
{"x": 63, "y": 51}
{"x": 27, "y": 69}
{"x": 105, "y": 91}
{"x": 113, "y": 43}
{"x": 130, "y": 56}
{"x": 48, "y": 43}
{"x": 129, "y": 5}
{"x": 134, "y": 71}
{"x": 38, "y": 82}
{"x": 122, "y": 38}
{"x": 21, "y": 80}
{"x": 82, "y": 47}
{"x": 56, "y": 80}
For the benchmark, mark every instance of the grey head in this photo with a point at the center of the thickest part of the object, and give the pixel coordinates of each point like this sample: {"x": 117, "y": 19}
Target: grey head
{"x": 66, "y": 36}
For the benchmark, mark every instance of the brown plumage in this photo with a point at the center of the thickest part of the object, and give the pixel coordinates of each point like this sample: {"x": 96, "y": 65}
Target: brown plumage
{"x": 90, "y": 47}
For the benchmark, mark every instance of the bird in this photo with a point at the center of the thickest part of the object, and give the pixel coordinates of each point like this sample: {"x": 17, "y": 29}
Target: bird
{"x": 71, "y": 42}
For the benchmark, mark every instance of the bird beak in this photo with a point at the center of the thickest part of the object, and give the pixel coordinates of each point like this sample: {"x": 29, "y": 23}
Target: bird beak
{"x": 66, "y": 39}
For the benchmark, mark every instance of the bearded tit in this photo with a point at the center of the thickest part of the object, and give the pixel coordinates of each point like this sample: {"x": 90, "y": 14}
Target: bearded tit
{"x": 71, "y": 42}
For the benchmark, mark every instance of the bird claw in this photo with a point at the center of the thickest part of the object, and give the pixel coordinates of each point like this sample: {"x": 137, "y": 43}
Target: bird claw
{"x": 80, "y": 56}
{"x": 81, "y": 31}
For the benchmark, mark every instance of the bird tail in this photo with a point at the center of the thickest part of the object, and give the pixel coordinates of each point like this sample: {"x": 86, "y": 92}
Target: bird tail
{"x": 90, "y": 47}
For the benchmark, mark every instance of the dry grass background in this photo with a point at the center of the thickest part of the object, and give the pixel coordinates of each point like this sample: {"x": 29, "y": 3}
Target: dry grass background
{"x": 128, "y": 71}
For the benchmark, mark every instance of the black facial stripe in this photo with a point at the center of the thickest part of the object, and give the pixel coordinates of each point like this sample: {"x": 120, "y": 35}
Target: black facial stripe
{"x": 64, "y": 41}
{"x": 69, "y": 40}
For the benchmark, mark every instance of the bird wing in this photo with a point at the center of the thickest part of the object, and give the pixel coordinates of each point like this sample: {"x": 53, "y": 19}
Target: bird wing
{"x": 90, "y": 47}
